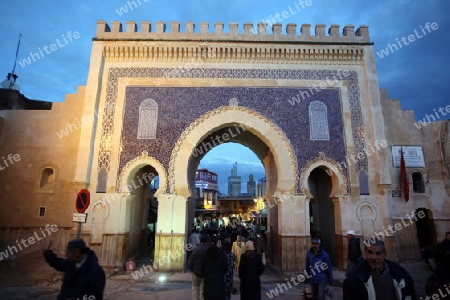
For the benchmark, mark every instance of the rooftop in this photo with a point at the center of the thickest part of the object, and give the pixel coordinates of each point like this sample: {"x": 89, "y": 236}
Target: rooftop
{"x": 251, "y": 33}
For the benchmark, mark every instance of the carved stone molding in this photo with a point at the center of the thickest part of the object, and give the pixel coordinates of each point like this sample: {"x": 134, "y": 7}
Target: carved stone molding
{"x": 331, "y": 165}
{"x": 190, "y": 56}
{"x": 198, "y": 122}
{"x": 139, "y": 162}
{"x": 115, "y": 73}
{"x": 371, "y": 205}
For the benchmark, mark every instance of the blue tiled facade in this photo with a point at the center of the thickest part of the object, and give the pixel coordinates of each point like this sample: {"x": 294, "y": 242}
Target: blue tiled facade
{"x": 180, "y": 106}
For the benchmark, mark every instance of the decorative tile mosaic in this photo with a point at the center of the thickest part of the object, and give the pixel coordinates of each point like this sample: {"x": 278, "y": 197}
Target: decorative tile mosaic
{"x": 318, "y": 122}
{"x": 148, "y": 119}
{"x": 179, "y": 106}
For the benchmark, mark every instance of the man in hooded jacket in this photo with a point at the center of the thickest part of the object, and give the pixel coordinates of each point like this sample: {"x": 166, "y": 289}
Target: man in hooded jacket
{"x": 83, "y": 278}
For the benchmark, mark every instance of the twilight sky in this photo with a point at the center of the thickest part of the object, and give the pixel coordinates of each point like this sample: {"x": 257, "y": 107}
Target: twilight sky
{"x": 413, "y": 74}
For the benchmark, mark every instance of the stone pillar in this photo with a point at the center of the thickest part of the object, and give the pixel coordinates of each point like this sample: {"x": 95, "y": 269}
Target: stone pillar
{"x": 170, "y": 233}
{"x": 341, "y": 259}
{"x": 293, "y": 231}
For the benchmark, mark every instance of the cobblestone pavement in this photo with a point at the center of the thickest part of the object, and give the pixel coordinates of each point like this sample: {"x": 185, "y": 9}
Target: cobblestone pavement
{"x": 46, "y": 282}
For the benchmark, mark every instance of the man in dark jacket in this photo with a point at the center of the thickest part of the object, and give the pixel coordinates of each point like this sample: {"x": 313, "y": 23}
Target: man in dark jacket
{"x": 444, "y": 247}
{"x": 354, "y": 254}
{"x": 319, "y": 269}
{"x": 83, "y": 278}
{"x": 195, "y": 265}
{"x": 250, "y": 271}
{"x": 214, "y": 269}
{"x": 378, "y": 278}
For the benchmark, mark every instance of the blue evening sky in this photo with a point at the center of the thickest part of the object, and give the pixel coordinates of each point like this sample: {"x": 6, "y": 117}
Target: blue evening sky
{"x": 415, "y": 74}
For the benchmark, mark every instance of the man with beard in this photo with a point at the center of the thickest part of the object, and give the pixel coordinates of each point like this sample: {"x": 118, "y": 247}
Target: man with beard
{"x": 378, "y": 278}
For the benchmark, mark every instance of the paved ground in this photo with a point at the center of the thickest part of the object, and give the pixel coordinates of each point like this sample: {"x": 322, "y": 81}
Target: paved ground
{"x": 31, "y": 278}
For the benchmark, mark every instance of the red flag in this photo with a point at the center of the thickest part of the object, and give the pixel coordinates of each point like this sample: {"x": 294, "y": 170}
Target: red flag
{"x": 403, "y": 177}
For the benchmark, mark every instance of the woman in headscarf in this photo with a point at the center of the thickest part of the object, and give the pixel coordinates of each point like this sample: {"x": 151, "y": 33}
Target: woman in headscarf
{"x": 251, "y": 268}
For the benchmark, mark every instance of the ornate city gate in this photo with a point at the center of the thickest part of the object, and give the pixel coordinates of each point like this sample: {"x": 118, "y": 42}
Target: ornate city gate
{"x": 301, "y": 102}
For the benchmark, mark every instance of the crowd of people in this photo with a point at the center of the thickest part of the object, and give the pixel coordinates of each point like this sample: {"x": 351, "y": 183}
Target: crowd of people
{"x": 218, "y": 255}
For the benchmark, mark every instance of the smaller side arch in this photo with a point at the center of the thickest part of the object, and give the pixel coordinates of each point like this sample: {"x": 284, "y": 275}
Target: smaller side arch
{"x": 125, "y": 176}
{"x": 338, "y": 178}
{"x": 367, "y": 215}
{"x": 100, "y": 214}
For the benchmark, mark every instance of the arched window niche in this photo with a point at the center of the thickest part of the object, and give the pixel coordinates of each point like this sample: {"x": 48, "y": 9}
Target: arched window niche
{"x": 418, "y": 182}
{"x": 47, "y": 178}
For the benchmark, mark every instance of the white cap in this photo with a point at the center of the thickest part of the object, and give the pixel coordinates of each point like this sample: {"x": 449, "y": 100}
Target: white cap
{"x": 249, "y": 246}
{"x": 352, "y": 232}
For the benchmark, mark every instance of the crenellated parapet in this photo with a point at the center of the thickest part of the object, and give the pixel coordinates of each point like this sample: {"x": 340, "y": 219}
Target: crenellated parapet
{"x": 290, "y": 32}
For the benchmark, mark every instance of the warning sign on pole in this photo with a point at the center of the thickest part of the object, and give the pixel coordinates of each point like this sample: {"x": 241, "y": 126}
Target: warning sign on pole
{"x": 83, "y": 200}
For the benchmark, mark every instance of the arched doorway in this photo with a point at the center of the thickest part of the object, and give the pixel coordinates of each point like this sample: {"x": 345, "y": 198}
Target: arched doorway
{"x": 243, "y": 126}
{"x": 426, "y": 230}
{"x": 226, "y": 188}
{"x": 325, "y": 184}
{"x": 141, "y": 182}
{"x": 322, "y": 221}
{"x": 139, "y": 211}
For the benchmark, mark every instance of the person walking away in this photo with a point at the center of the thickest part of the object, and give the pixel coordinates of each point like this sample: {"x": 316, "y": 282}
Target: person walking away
{"x": 354, "y": 254}
{"x": 193, "y": 241}
{"x": 319, "y": 269}
{"x": 83, "y": 276}
{"x": 195, "y": 265}
{"x": 214, "y": 269}
{"x": 258, "y": 244}
{"x": 444, "y": 247}
{"x": 378, "y": 278}
{"x": 228, "y": 277}
{"x": 250, "y": 269}
{"x": 238, "y": 249}
{"x": 440, "y": 280}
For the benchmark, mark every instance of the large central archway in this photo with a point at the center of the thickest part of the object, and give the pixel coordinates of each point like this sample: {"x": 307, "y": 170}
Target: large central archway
{"x": 258, "y": 133}
{"x": 232, "y": 116}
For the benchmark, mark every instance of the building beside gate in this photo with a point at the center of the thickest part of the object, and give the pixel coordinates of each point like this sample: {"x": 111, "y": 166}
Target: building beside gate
{"x": 157, "y": 100}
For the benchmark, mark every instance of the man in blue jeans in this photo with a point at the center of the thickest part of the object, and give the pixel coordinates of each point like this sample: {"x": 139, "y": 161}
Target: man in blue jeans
{"x": 319, "y": 269}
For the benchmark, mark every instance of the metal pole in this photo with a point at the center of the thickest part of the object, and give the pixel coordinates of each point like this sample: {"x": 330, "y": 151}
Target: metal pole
{"x": 79, "y": 230}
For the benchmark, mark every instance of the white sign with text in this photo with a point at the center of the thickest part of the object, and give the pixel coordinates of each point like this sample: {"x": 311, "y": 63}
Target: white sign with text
{"x": 413, "y": 156}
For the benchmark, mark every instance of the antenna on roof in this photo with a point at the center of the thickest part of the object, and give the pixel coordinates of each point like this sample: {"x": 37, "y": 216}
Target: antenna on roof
{"x": 12, "y": 83}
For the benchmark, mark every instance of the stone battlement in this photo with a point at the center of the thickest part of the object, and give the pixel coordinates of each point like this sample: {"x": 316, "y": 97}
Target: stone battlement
{"x": 250, "y": 34}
